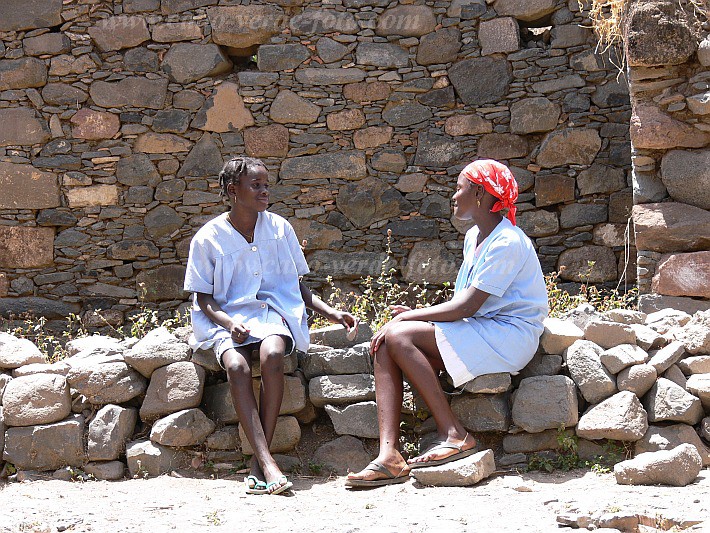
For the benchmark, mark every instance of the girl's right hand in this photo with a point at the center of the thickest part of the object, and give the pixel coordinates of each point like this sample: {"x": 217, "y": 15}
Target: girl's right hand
{"x": 397, "y": 309}
{"x": 239, "y": 332}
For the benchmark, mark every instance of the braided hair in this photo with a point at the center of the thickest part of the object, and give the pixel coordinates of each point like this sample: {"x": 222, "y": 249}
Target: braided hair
{"x": 234, "y": 169}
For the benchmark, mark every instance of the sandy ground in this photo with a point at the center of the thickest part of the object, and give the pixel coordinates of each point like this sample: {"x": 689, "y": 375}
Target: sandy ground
{"x": 527, "y": 502}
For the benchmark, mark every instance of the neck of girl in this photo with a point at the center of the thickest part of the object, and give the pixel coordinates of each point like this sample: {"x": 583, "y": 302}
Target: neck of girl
{"x": 487, "y": 223}
{"x": 243, "y": 221}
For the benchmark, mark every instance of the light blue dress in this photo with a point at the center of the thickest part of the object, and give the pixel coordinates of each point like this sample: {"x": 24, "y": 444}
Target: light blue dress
{"x": 503, "y": 335}
{"x": 254, "y": 283}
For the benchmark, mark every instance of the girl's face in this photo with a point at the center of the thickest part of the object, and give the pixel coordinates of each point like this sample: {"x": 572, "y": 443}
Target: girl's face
{"x": 464, "y": 199}
{"x": 252, "y": 190}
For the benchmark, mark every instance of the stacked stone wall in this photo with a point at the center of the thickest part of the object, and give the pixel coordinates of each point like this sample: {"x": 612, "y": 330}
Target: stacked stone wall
{"x": 117, "y": 116}
{"x": 151, "y": 406}
{"x": 670, "y": 133}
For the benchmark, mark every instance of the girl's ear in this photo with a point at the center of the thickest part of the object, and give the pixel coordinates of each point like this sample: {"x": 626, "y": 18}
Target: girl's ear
{"x": 232, "y": 189}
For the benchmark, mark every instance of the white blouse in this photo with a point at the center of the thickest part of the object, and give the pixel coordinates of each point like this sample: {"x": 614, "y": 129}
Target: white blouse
{"x": 247, "y": 279}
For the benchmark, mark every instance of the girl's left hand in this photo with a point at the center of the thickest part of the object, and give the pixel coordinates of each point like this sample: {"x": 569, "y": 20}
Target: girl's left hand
{"x": 345, "y": 319}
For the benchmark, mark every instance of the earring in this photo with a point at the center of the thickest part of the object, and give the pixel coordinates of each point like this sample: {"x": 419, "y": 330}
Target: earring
{"x": 478, "y": 202}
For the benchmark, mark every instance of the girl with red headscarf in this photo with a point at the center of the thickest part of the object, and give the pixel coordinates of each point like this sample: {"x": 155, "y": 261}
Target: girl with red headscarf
{"x": 492, "y": 324}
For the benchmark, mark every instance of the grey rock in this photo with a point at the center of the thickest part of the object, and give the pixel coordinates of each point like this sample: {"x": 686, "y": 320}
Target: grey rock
{"x": 203, "y": 160}
{"x": 226, "y": 438}
{"x": 622, "y": 356}
{"x": 171, "y": 121}
{"x": 343, "y": 389}
{"x": 430, "y": 262}
{"x": 584, "y": 365}
{"x": 233, "y": 26}
{"x": 158, "y": 348}
{"x": 437, "y": 151}
{"x": 36, "y": 399}
{"x": 620, "y": 417}
{"x": 599, "y": 179}
{"x": 22, "y": 127}
{"x": 695, "y": 365}
{"x": 695, "y": 335}
{"x": 106, "y": 471}
{"x": 676, "y": 375}
{"x": 538, "y": 223}
{"x": 189, "y": 427}
{"x": 667, "y": 402}
{"x": 319, "y": 21}
{"x": 172, "y": 388}
{"x": 406, "y": 113}
{"x": 668, "y": 437}
{"x": 441, "y": 46}
{"x": 481, "y": 80}
{"x": 344, "y": 454}
{"x": 348, "y": 165}
{"x": 359, "y": 419}
{"x": 677, "y": 467}
{"x": 462, "y": 473}
{"x": 370, "y": 200}
{"x": 637, "y": 379}
{"x": 559, "y": 335}
{"x": 569, "y": 146}
{"x": 117, "y": 33}
{"x": 532, "y": 442}
{"x": 658, "y": 302}
{"x": 23, "y": 73}
{"x": 145, "y": 459}
{"x": 136, "y": 169}
{"x": 613, "y": 93}
{"x": 335, "y": 336}
{"x": 280, "y": 57}
{"x": 489, "y": 412}
{"x": 647, "y": 338}
{"x": 699, "y": 385}
{"x": 542, "y": 365}
{"x": 330, "y": 50}
{"x": 524, "y": 10}
{"x": 609, "y": 334}
{"x": 545, "y": 402}
{"x": 667, "y": 356}
{"x": 565, "y": 82}
{"x": 16, "y": 352}
{"x": 354, "y": 360}
{"x": 324, "y": 76}
{"x": 94, "y": 345}
{"x": 499, "y": 35}
{"x": 685, "y": 174}
{"x": 382, "y": 55}
{"x": 162, "y": 221}
{"x": 289, "y": 108}
{"x": 188, "y": 62}
{"x": 406, "y": 20}
{"x": 533, "y": 115}
{"x": 105, "y": 380}
{"x": 20, "y": 15}
{"x": 574, "y": 215}
{"x": 286, "y": 436}
{"x": 109, "y": 431}
{"x": 130, "y": 92}
{"x": 489, "y": 384}
{"x": 46, "y": 447}
{"x": 47, "y": 43}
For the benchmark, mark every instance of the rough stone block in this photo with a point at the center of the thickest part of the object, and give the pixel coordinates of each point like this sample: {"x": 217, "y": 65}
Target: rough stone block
{"x": 545, "y": 402}
{"x": 188, "y": 62}
{"x": 109, "y": 431}
{"x": 354, "y": 360}
{"x": 16, "y": 352}
{"x": 462, "y": 473}
{"x": 348, "y": 165}
{"x": 667, "y": 402}
{"x": 620, "y": 417}
{"x": 499, "y": 35}
{"x": 677, "y": 467}
{"x": 483, "y": 413}
{"x": 36, "y": 399}
{"x": 286, "y": 436}
{"x": 189, "y": 427}
{"x": 668, "y": 437}
{"x": 609, "y": 334}
{"x": 481, "y": 80}
{"x": 489, "y": 384}
{"x": 23, "y": 73}
{"x": 145, "y": 459}
{"x": 637, "y": 379}
{"x": 130, "y": 92}
{"x": 16, "y": 15}
{"x": 233, "y": 25}
{"x": 441, "y": 46}
{"x": 104, "y": 380}
{"x": 47, "y": 43}
{"x": 342, "y": 455}
{"x": 532, "y": 442}
{"x": 339, "y": 390}
{"x": 172, "y": 388}
{"x": 569, "y": 146}
{"x": 667, "y": 356}
{"x": 94, "y": 125}
{"x": 116, "y": 33}
{"x": 158, "y": 348}
{"x": 21, "y": 127}
{"x": 699, "y": 385}
{"x": 695, "y": 335}
{"x": 106, "y": 471}
{"x": 46, "y": 447}
{"x": 622, "y": 356}
{"x": 359, "y": 420}
{"x": 406, "y": 20}
{"x": 267, "y": 141}
{"x": 559, "y": 335}
{"x": 585, "y": 366}
{"x": 94, "y": 195}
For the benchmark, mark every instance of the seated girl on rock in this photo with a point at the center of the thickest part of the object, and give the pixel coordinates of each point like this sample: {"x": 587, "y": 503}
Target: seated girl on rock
{"x": 244, "y": 269}
{"x": 492, "y": 324}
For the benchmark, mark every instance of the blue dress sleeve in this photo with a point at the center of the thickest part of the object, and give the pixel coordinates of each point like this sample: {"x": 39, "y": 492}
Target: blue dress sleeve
{"x": 296, "y": 252}
{"x": 199, "y": 276}
{"x": 500, "y": 265}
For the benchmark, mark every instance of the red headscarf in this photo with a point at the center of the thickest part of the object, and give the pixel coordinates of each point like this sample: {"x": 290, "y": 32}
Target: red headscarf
{"x": 496, "y": 179}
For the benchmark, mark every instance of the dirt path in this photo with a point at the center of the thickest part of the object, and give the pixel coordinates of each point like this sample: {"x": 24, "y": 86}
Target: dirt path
{"x": 510, "y": 502}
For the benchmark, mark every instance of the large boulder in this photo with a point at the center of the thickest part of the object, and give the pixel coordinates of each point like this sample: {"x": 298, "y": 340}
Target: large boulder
{"x": 583, "y": 360}
{"x": 668, "y": 437}
{"x": 671, "y": 227}
{"x": 36, "y": 399}
{"x": 109, "y": 431}
{"x": 343, "y": 389}
{"x": 104, "y": 380}
{"x": 172, "y": 388}
{"x": 677, "y": 467}
{"x": 686, "y": 175}
{"x": 462, "y": 473}
{"x": 620, "y": 417}
{"x": 695, "y": 335}
{"x": 188, "y": 62}
{"x": 148, "y": 459}
{"x": 667, "y": 402}
{"x": 158, "y": 348}
{"x": 189, "y": 427}
{"x": 46, "y": 447}
{"x": 16, "y": 352}
{"x": 355, "y": 360}
{"x": 481, "y": 80}
{"x": 234, "y": 26}
{"x": 545, "y": 402}
{"x": 359, "y": 419}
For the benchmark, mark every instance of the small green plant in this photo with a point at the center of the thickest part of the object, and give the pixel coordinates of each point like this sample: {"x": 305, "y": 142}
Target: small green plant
{"x": 566, "y": 459}
{"x": 141, "y": 473}
{"x": 613, "y": 452}
{"x": 315, "y": 468}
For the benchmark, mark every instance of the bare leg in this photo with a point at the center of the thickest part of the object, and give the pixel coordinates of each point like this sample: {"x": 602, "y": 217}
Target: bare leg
{"x": 237, "y": 363}
{"x": 410, "y": 348}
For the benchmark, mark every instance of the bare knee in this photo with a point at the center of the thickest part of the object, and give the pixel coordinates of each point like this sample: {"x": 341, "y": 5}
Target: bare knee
{"x": 398, "y": 338}
{"x": 238, "y": 370}
{"x": 272, "y": 360}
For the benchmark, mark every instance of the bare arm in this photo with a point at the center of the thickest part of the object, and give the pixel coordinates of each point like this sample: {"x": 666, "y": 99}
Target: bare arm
{"x": 319, "y": 306}
{"x": 214, "y": 312}
{"x": 464, "y": 305}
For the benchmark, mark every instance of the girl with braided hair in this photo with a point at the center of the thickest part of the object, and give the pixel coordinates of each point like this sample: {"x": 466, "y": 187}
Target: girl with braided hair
{"x": 244, "y": 270}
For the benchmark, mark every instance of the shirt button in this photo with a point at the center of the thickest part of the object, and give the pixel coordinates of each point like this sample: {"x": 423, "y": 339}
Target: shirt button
{"x": 263, "y": 306}
{"x": 253, "y": 248}
{"x": 256, "y": 273}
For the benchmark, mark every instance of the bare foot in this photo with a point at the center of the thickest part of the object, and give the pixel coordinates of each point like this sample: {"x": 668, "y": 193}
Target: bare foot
{"x": 396, "y": 465}
{"x": 444, "y": 449}
{"x": 276, "y": 482}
